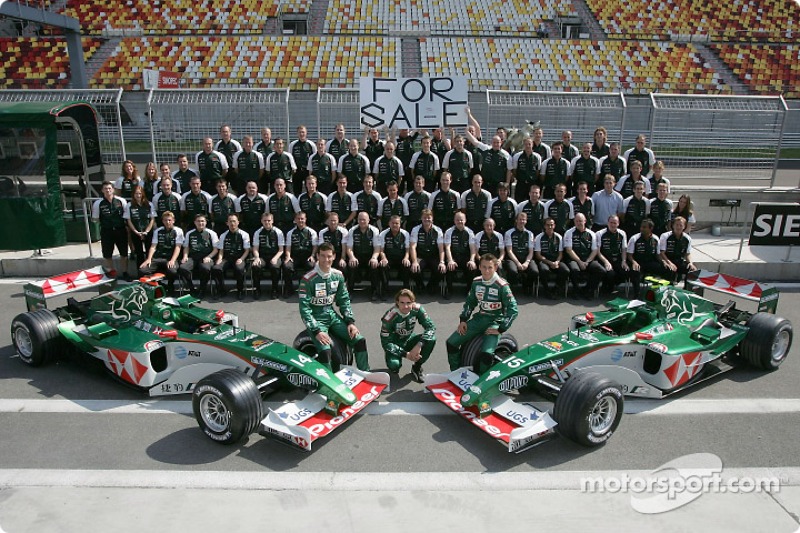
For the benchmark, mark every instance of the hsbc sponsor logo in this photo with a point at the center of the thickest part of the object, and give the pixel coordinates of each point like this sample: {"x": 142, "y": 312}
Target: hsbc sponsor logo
{"x": 513, "y": 383}
{"x": 301, "y": 380}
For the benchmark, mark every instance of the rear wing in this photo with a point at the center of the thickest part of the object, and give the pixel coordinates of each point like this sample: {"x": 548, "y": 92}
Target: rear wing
{"x": 37, "y": 292}
{"x": 765, "y": 294}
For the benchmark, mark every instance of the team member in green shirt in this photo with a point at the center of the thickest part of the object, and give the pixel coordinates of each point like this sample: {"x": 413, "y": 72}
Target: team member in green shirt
{"x": 398, "y": 338}
{"x": 497, "y": 310}
{"x": 320, "y": 289}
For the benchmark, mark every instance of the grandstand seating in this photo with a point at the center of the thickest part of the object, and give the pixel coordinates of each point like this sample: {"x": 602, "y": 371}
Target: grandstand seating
{"x": 765, "y": 69}
{"x": 455, "y": 16}
{"x": 740, "y": 20}
{"x": 37, "y": 63}
{"x": 570, "y": 65}
{"x": 176, "y": 16}
{"x": 296, "y": 62}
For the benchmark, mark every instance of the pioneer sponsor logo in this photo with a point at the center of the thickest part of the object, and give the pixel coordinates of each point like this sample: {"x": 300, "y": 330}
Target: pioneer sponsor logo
{"x": 512, "y": 383}
{"x": 451, "y": 401}
{"x": 544, "y": 366}
{"x": 328, "y": 300}
{"x": 322, "y": 429}
{"x": 270, "y": 364}
{"x": 301, "y": 380}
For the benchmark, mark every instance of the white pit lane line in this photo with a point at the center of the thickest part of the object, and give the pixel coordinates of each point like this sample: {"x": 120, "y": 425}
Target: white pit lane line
{"x": 681, "y": 407}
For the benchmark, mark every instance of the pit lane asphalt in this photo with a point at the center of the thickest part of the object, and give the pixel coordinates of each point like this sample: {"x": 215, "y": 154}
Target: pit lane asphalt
{"x": 99, "y": 444}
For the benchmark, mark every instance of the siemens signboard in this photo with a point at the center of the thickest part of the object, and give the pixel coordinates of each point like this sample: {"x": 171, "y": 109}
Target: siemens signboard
{"x": 776, "y": 225}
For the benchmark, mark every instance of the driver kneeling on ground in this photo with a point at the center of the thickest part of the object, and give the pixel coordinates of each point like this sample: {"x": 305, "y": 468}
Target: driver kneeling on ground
{"x": 398, "y": 338}
{"x": 497, "y": 310}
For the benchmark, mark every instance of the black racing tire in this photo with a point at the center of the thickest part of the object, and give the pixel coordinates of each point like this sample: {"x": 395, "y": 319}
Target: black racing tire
{"x": 340, "y": 352}
{"x": 588, "y": 409}
{"x": 227, "y": 406}
{"x": 506, "y": 345}
{"x": 36, "y": 338}
{"x": 767, "y": 342}
{"x": 470, "y": 353}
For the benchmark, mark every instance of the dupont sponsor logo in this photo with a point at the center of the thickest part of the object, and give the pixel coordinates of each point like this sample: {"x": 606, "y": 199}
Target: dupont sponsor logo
{"x": 513, "y": 383}
{"x": 301, "y": 380}
{"x": 280, "y": 367}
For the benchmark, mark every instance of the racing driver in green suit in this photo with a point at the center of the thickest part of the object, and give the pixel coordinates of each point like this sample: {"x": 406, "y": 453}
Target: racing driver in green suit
{"x": 398, "y": 338}
{"x": 497, "y": 310}
{"x": 320, "y": 289}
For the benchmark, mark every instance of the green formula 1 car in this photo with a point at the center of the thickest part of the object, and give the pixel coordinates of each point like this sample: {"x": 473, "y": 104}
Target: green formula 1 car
{"x": 669, "y": 340}
{"x": 166, "y": 346}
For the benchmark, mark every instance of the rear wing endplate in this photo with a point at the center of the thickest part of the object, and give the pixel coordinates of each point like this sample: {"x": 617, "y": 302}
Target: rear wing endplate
{"x": 765, "y": 294}
{"x": 37, "y": 292}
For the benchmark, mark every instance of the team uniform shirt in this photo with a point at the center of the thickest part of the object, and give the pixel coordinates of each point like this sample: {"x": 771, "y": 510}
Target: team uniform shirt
{"x": 251, "y": 209}
{"x": 405, "y": 148}
{"x": 394, "y": 245}
{"x": 459, "y": 164}
{"x": 200, "y": 243}
{"x": 264, "y": 149}
{"x": 416, "y": 201}
{"x": 355, "y": 167}
{"x": 626, "y": 184}
{"x": 248, "y": 165}
{"x": 615, "y": 167}
{"x": 195, "y": 204}
{"x": 569, "y": 152}
{"x": 494, "y": 301}
{"x": 268, "y": 243}
{"x": 280, "y": 166}
{"x": 314, "y": 208}
{"x": 425, "y": 165}
{"x": 110, "y": 214}
{"x": 548, "y": 246}
{"x": 586, "y": 208}
{"x": 502, "y": 212}
{"x": 642, "y": 249}
{"x": 368, "y": 202}
{"x": 661, "y": 214}
{"x": 543, "y": 150}
{"x": 139, "y": 215}
{"x": 520, "y": 242}
{"x": 460, "y": 243}
{"x": 581, "y": 242}
{"x": 562, "y": 212}
{"x": 600, "y": 151}
{"x": 323, "y": 166}
{"x": 162, "y": 203}
{"x": 301, "y": 152}
{"x": 397, "y": 329}
{"x": 475, "y": 207}
{"x": 156, "y": 187}
{"x": 343, "y": 205}
{"x": 212, "y": 167}
{"x": 373, "y": 151}
{"x": 362, "y": 243}
{"x": 654, "y": 183}
{"x": 125, "y": 187}
{"x": 427, "y": 241}
{"x": 605, "y": 205}
{"x": 221, "y": 207}
{"x": 611, "y": 245}
{"x": 283, "y": 208}
{"x": 635, "y": 210}
{"x": 337, "y": 148}
{"x": 439, "y": 147}
{"x": 674, "y": 247}
{"x": 228, "y": 149}
{"x": 233, "y": 244}
{"x": 444, "y": 205}
{"x": 181, "y": 179}
{"x": 318, "y": 293}
{"x": 526, "y": 168}
{"x": 536, "y": 215}
{"x": 301, "y": 241}
{"x": 646, "y": 157}
{"x": 584, "y": 169}
{"x": 477, "y": 158}
{"x": 489, "y": 244}
{"x": 495, "y": 165}
{"x": 554, "y": 171}
{"x": 387, "y": 208}
{"x": 335, "y": 238}
{"x": 166, "y": 241}
{"x": 385, "y": 170}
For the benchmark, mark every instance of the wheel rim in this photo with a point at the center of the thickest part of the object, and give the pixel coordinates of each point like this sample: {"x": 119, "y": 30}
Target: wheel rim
{"x": 215, "y": 414}
{"x": 603, "y": 415}
{"x": 23, "y": 343}
{"x": 780, "y": 346}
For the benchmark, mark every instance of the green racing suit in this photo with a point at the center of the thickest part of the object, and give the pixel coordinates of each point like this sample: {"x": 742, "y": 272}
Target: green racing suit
{"x": 398, "y": 337}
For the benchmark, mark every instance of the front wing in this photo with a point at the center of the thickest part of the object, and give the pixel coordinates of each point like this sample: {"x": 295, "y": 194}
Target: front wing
{"x": 518, "y": 426}
{"x": 301, "y": 423}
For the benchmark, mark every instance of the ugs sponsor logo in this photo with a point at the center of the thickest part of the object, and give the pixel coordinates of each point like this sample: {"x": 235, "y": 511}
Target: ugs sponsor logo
{"x": 452, "y": 402}
{"x": 516, "y": 415}
{"x": 270, "y": 364}
{"x": 301, "y": 380}
{"x": 512, "y": 383}
{"x": 319, "y": 430}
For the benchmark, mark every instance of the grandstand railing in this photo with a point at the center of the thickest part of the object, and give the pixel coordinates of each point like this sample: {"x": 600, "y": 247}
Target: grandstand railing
{"x": 105, "y": 101}
{"x": 336, "y": 106}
